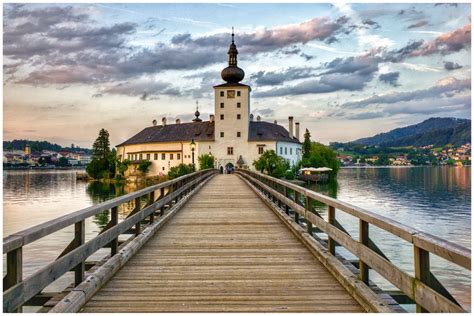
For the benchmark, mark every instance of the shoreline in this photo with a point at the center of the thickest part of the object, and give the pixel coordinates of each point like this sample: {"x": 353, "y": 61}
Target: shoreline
{"x": 397, "y": 167}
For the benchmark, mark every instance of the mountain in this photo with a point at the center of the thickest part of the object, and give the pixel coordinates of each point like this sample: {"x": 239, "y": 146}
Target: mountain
{"x": 437, "y": 131}
{"x": 37, "y": 146}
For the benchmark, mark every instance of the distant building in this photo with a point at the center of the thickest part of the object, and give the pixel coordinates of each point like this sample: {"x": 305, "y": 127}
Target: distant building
{"x": 27, "y": 150}
{"x": 231, "y": 135}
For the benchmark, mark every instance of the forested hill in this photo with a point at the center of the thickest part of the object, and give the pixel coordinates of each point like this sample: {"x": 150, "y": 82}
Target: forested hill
{"x": 36, "y": 146}
{"x": 434, "y": 131}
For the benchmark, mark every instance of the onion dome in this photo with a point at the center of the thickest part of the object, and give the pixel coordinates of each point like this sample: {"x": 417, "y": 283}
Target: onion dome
{"x": 197, "y": 119}
{"x": 232, "y": 73}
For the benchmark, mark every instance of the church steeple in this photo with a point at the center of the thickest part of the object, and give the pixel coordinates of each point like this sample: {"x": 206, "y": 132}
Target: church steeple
{"x": 232, "y": 74}
{"x": 197, "y": 119}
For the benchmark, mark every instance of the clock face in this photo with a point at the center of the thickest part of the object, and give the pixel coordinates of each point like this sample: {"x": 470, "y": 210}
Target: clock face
{"x": 231, "y": 94}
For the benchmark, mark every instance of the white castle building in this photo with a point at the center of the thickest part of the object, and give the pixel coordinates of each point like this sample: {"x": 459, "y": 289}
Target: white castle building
{"x": 232, "y": 135}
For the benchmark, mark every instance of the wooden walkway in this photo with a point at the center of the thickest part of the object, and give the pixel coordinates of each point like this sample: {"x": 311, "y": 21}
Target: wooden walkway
{"x": 225, "y": 251}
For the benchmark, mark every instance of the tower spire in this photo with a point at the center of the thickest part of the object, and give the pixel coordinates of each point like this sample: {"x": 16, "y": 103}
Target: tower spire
{"x": 232, "y": 35}
{"x": 232, "y": 74}
{"x": 197, "y": 119}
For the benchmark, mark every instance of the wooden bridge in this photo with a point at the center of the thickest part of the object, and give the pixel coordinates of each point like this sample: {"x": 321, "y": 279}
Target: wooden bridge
{"x": 227, "y": 243}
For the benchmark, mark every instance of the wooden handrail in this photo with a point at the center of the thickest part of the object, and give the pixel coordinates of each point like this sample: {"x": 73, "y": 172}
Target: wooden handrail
{"x": 17, "y": 291}
{"x": 424, "y": 289}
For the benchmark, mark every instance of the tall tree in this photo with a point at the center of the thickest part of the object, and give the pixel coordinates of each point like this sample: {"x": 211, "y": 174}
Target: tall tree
{"x": 306, "y": 145}
{"x": 101, "y": 147}
{"x": 103, "y": 160}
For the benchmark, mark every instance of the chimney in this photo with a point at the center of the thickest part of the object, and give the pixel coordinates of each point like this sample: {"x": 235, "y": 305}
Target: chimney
{"x": 258, "y": 118}
{"x": 178, "y": 121}
{"x": 290, "y": 126}
{"x": 154, "y": 122}
{"x": 251, "y": 117}
{"x": 163, "y": 121}
{"x": 297, "y": 130}
{"x": 211, "y": 118}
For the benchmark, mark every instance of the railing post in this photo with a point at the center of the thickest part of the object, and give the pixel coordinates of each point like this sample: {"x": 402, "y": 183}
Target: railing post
{"x": 80, "y": 239}
{"x": 295, "y": 198}
{"x": 114, "y": 221}
{"x": 287, "y": 208}
{"x": 422, "y": 270}
{"x": 151, "y": 201}
{"x": 363, "y": 239}
{"x": 138, "y": 227}
{"x": 14, "y": 270}
{"x": 309, "y": 208}
{"x": 331, "y": 220}
{"x": 162, "y": 195}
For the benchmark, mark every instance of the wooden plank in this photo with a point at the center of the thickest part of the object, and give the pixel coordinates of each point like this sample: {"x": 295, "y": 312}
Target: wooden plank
{"x": 114, "y": 221}
{"x": 331, "y": 221}
{"x": 363, "y": 239}
{"x": 79, "y": 239}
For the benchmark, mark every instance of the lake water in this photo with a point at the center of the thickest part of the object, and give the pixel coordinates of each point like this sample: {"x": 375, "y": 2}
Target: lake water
{"x": 434, "y": 199}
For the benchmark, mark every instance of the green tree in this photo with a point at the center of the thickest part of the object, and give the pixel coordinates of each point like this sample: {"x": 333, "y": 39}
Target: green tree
{"x": 63, "y": 162}
{"x": 306, "y": 148}
{"x": 103, "y": 163}
{"x": 144, "y": 165}
{"x": 272, "y": 164}
{"x": 122, "y": 166}
{"x": 382, "y": 160}
{"x": 180, "y": 170}
{"x": 323, "y": 156}
{"x": 206, "y": 161}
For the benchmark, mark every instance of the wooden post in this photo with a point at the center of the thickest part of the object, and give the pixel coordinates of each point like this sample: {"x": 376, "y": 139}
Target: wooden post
{"x": 162, "y": 194}
{"x": 363, "y": 239}
{"x": 422, "y": 270}
{"x": 331, "y": 219}
{"x": 151, "y": 201}
{"x": 14, "y": 270}
{"x": 80, "y": 239}
{"x": 295, "y": 198}
{"x": 138, "y": 227}
{"x": 114, "y": 221}
{"x": 309, "y": 208}
{"x": 287, "y": 208}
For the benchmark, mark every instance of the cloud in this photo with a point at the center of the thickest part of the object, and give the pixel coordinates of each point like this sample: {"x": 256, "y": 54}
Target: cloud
{"x": 390, "y": 78}
{"x": 365, "y": 115}
{"x": 418, "y": 24}
{"x": 142, "y": 88}
{"x": 446, "y": 86}
{"x": 449, "y": 65}
{"x": 273, "y": 78}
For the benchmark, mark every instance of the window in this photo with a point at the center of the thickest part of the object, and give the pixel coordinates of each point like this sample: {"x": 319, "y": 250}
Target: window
{"x": 291, "y": 151}
{"x": 286, "y": 151}
{"x": 238, "y": 94}
{"x": 178, "y": 156}
{"x": 128, "y": 156}
{"x": 156, "y": 157}
{"x": 238, "y": 134}
{"x": 238, "y": 105}
{"x": 209, "y": 146}
{"x": 222, "y": 93}
{"x": 222, "y": 105}
{"x": 230, "y": 150}
{"x": 171, "y": 156}
{"x": 230, "y": 94}
{"x": 238, "y": 116}
{"x": 163, "y": 156}
{"x": 141, "y": 156}
{"x": 147, "y": 156}
{"x": 222, "y": 116}
{"x": 222, "y": 134}
{"x": 162, "y": 168}
{"x": 260, "y": 150}
{"x": 281, "y": 150}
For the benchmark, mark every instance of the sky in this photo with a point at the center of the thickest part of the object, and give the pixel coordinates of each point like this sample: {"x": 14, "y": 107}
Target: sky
{"x": 344, "y": 70}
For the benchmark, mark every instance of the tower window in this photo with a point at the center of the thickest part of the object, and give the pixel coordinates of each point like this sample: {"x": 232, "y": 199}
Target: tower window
{"x": 222, "y": 134}
{"x": 222, "y": 116}
{"x": 222, "y": 105}
{"x": 238, "y": 94}
{"x": 163, "y": 156}
{"x": 238, "y": 105}
{"x": 260, "y": 150}
{"x": 238, "y": 116}
{"x": 222, "y": 93}
{"x": 230, "y": 150}
{"x": 238, "y": 134}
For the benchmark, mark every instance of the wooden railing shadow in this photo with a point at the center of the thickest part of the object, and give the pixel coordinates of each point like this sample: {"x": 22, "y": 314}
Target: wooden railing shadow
{"x": 424, "y": 289}
{"x": 18, "y": 291}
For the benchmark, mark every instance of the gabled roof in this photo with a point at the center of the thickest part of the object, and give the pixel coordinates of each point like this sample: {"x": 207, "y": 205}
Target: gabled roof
{"x": 261, "y": 131}
{"x": 200, "y": 131}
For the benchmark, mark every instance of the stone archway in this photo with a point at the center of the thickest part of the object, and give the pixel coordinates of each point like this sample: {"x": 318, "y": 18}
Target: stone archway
{"x": 229, "y": 167}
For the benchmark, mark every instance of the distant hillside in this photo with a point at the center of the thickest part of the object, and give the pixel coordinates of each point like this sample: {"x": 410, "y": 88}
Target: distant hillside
{"x": 19, "y": 144}
{"x": 434, "y": 131}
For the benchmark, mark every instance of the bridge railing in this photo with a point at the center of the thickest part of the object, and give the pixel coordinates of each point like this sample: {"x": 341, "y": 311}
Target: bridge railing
{"x": 424, "y": 289}
{"x": 17, "y": 291}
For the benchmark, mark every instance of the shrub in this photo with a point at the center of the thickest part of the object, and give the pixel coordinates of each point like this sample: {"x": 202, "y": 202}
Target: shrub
{"x": 144, "y": 165}
{"x": 180, "y": 170}
{"x": 272, "y": 164}
{"x": 289, "y": 175}
{"x": 206, "y": 161}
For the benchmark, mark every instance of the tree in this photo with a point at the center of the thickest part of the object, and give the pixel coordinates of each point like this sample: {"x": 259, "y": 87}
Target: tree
{"x": 382, "y": 160}
{"x": 103, "y": 160}
{"x": 63, "y": 162}
{"x": 206, "y": 161}
{"x": 101, "y": 146}
{"x": 122, "y": 166}
{"x": 180, "y": 170}
{"x": 323, "y": 156}
{"x": 306, "y": 145}
{"x": 272, "y": 164}
{"x": 144, "y": 165}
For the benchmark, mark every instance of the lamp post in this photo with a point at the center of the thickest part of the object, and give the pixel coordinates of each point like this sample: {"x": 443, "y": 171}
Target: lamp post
{"x": 193, "y": 147}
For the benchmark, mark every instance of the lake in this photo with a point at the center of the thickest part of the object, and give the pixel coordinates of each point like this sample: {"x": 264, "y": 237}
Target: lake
{"x": 434, "y": 199}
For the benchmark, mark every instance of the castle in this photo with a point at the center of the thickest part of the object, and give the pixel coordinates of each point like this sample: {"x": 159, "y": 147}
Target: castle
{"x": 231, "y": 135}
